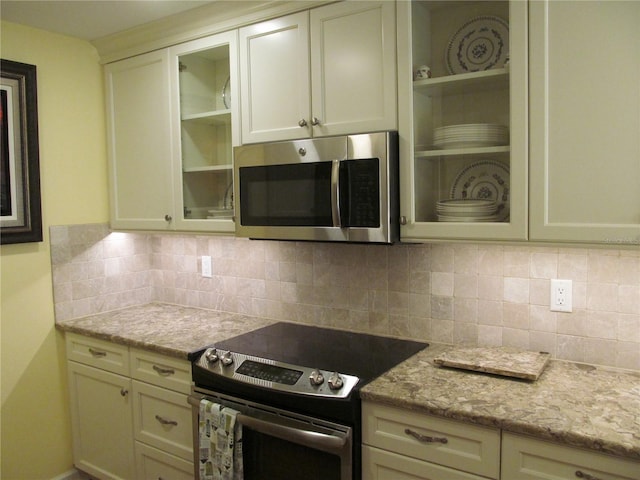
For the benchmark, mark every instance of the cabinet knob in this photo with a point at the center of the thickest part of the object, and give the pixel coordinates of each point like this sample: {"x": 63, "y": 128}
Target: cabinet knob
{"x": 302, "y": 123}
{"x": 168, "y": 218}
{"x": 124, "y": 392}
{"x": 403, "y": 220}
{"x": 315, "y": 121}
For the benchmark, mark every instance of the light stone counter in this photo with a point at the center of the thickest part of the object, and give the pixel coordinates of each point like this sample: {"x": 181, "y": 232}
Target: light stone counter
{"x": 168, "y": 329}
{"x": 580, "y": 405}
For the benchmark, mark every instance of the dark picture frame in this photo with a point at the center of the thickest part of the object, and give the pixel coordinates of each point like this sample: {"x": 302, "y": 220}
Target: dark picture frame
{"x": 20, "y": 209}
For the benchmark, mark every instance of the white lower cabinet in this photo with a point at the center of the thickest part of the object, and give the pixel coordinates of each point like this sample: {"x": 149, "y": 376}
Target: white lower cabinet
{"x": 101, "y": 422}
{"x": 401, "y": 444}
{"x": 118, "y": 395}
{"x": 525, "y": 458}
{"x": 153, "y": 464}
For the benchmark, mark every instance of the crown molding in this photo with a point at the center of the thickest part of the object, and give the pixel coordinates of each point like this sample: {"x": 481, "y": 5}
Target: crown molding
{"x": 218, "y": 16}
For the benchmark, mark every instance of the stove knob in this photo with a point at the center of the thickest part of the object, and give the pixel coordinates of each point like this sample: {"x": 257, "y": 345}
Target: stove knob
{"x": 211, "y": 355}
{"x": 335, "y": 381}
{"x": 316, "y": 378}
{"x": 226, "y": 358}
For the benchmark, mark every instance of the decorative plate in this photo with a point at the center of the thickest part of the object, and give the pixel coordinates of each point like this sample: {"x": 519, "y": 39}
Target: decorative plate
{"x": 226, "y": 93}
{"x": 481, "y": 44}
{"x": 486, "y": 180}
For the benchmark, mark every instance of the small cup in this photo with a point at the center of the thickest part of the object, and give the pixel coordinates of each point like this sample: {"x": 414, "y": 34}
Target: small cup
{"x": 422, "y": 72}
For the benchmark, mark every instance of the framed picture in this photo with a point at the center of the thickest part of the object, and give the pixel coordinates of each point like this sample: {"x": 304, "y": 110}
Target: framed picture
{"x": 20, "y": 210}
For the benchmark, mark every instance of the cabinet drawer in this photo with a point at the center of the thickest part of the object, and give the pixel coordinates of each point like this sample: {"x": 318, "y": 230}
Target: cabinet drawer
{"x": 152, "y": 464}
{"x": 469, "y": 448}
{"x": 382, "y": 465}
{"x": 98, "y": 353}
{"x": 162, "y": 419}
{"x": 530, "y": 459}
{"x": 161, "y": 370}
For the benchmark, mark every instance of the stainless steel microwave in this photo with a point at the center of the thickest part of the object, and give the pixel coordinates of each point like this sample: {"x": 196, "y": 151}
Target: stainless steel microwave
{"x": 337, "y": 189}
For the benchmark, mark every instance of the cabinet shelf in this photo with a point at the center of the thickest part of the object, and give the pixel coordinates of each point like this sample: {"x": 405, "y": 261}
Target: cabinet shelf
{"x": 429, "y": 153}
{"x": 208, "y": 168}
{"x": 461, "y": 83}
{"x": 214, "y": 117}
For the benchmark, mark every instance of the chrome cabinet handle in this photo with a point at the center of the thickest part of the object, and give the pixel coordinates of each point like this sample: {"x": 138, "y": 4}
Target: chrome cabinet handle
{"x": 425, "y": 438}
{"x": 168, "y": 217}
{"x": 315, "y": 121}
{"x": 97, "y": 353}
{"x": 164, "y": 371}
{"x": 164, "y": 421}
{"x": 124, "y": 392}
{"x": 302, "y": 123}
{"x": 586, "y": 476}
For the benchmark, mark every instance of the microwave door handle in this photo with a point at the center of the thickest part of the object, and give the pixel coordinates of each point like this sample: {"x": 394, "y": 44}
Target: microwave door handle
{"x": 335, "y": 193}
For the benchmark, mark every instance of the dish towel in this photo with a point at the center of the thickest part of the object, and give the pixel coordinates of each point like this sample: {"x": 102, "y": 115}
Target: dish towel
{"x": 220, "y": 442}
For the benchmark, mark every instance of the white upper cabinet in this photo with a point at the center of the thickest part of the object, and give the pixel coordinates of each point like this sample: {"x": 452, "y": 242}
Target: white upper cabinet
{"x": 463, "y": 126}
{"x": 172, "y": 123}
{"x": 329, "y": 71}
{"x": 205, "y": 128}
{"x": 139, "y": 142}
{"x": 585, "y": 122}
{"x": 274, "y": 79}
{"x": 353, "y": 68}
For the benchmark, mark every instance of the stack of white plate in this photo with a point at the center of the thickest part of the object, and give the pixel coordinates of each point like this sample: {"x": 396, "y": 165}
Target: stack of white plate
{"x": 471, "y": 135}
{"x": 467, "y": 210}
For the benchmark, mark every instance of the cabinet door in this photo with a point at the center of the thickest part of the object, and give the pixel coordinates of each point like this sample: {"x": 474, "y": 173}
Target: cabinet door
{"x": 529, "y": 459}
{"x": 274, "y": 78}
{"x": 353, "y": 68}
{"x": 463, "y": 131}
{"x": 139, "y": 142}
{"x": 380, "y": 464}
{"x": 102, "y": 425}
{"x": 585, "y": 119}
{"x": 205, "y": 126}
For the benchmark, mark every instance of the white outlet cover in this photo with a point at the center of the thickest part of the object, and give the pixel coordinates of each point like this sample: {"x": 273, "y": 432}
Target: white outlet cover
{"x": 561, "y": 296}
{"x": 206, "y": 266}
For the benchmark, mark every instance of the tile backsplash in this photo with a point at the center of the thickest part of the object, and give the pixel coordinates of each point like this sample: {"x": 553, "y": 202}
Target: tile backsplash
{"x": 475, "y": 294}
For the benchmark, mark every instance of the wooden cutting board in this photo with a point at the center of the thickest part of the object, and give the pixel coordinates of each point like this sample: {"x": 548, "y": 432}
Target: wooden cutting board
{"x": 505, "y": 361}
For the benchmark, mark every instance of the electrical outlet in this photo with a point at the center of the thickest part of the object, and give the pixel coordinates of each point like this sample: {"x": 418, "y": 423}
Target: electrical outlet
{"x": 206, "y": 266}
{"x": 561, "y": 298}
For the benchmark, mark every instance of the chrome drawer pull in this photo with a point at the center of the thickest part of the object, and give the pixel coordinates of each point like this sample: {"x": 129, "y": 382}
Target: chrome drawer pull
{"x": 586, "y": 476}
{"x": 164, "y": 371}
{"x": 97, "y": 353}
{"x": 425, "y": 438}
{"x": 164, "y": 421}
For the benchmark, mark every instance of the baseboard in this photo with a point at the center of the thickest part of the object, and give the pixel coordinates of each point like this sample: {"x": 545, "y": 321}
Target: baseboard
{"x": 72, "y": 474}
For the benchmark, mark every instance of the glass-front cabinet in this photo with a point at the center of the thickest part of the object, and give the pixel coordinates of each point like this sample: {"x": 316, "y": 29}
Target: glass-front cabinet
{"x": 205, "y": 130}
{"x": 462, "y": 77}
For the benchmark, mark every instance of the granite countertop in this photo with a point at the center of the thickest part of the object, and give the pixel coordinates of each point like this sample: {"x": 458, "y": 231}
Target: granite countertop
{"x": 580, "y": 405}
{"x": 168, "y": 329}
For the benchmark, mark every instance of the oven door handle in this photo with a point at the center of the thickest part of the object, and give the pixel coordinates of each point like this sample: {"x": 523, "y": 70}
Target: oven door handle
{"x": 316, "y": 440}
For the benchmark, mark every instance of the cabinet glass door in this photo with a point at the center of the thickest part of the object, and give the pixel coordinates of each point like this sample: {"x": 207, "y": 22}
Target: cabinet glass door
{"x": 463, "y": 135}
{"x": 205, "y": 80}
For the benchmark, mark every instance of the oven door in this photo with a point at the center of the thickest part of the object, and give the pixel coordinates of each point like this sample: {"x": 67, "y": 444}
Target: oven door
{"x": 283, "y": 445}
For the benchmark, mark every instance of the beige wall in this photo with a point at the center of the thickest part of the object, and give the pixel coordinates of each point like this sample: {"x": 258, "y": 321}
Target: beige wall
{"x": 35, "y": 427}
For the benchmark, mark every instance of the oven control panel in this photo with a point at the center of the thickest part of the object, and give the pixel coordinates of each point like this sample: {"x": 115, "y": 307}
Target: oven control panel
{"x": 276, "y": 375}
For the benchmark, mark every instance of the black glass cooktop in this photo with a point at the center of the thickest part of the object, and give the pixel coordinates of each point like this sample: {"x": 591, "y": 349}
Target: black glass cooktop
{"x": 363, "y": 355}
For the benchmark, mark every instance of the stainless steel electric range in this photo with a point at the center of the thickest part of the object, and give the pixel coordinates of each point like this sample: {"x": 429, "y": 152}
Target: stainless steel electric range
{"x": 297, "y": 390}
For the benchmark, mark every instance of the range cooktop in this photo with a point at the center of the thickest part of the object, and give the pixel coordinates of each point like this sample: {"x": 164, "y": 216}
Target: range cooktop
{"x": 362, "y": 355}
